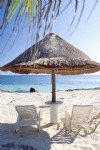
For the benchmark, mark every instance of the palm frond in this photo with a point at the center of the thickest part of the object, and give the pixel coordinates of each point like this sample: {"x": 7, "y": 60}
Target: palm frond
{"x": 37, "y": 15}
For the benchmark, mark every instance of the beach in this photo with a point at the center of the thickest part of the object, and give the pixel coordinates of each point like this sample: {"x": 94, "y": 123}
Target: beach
{"x": 49, "y": 138}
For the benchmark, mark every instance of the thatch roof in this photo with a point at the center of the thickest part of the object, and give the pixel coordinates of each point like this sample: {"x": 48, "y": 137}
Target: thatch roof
{"x": 52, "y": 53}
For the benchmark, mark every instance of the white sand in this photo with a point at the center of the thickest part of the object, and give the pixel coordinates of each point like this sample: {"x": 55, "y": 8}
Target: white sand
{"x": 49, "y": 138}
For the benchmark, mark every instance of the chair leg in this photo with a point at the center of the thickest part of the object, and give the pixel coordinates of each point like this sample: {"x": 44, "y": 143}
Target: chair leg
{"x": 16, "y": 130}
{"x": 39, "y": 128}
{"x": 66, "y": 129}
{"x": 18, "y": 119}
{"x": 58, "y": 125}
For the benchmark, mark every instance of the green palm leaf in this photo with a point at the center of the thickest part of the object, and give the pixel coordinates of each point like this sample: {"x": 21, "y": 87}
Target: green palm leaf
{"x": 39, "y": 15}
{"x": 28, "y": 5}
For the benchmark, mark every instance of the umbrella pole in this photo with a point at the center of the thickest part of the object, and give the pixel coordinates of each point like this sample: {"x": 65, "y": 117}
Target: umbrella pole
{"x": 53, "y": 86}
{"x": 54, "y": 115}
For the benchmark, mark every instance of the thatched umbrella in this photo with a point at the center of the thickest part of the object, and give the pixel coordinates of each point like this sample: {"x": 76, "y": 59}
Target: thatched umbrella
{"x": 53, "y": 54}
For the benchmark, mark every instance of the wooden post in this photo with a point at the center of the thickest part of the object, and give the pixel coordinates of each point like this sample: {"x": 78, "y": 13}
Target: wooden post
{"x": 53, "y": 86}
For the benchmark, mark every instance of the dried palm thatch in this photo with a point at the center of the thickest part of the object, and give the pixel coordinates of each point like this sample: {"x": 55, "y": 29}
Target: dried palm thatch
{"x": 52, "y": 53}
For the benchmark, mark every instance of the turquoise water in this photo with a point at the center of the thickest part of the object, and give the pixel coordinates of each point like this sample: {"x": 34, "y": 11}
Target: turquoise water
{"x": 42, "y": 83}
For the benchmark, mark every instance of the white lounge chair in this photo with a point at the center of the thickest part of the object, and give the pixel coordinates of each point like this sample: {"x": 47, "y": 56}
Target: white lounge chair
{"x": 27, "y": 116}
{"x": 79, "y": 118}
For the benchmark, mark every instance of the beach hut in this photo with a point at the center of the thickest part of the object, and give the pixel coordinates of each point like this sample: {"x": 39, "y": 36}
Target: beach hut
{"x": 52, "y": 55}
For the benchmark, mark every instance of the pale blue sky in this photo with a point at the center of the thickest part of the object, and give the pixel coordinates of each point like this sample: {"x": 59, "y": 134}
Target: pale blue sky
{"x": 86, "y": 37}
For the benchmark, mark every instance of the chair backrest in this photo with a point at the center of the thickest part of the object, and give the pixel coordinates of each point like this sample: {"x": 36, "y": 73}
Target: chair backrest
{"x": 26, "y": 112}
{"x": 81, "y": 112}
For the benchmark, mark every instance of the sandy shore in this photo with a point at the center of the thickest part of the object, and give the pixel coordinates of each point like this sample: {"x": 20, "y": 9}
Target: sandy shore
{"x": 49, "y": 138}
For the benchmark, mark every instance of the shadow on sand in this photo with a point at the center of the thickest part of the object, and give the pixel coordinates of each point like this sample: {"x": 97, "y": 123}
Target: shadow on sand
{"x": 25, "y": 137}
{"x": 47, "y": 125}
{"x": 67, "y": 137}
{"x": 30, "y": 138}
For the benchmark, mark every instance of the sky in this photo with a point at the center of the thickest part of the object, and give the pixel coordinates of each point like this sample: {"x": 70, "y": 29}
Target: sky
{"x": 86, "y": 36}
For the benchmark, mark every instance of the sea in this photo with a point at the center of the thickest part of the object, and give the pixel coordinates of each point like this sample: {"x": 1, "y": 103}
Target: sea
{"x": 42, "y": 83}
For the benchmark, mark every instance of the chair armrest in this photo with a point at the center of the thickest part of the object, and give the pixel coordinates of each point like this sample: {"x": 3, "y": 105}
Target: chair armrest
{"x": 67, "y": 116}
{"x": 66, "y": 121}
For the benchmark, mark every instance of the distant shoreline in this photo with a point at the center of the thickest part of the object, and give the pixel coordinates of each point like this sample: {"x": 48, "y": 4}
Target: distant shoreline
{"x": 98, "y": 88}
